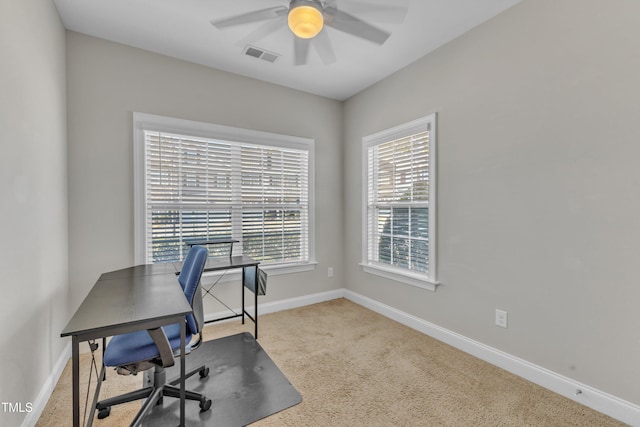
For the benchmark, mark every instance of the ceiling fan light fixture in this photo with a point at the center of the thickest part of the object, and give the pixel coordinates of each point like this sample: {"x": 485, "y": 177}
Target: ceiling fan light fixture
{"x": 305, "y": 19}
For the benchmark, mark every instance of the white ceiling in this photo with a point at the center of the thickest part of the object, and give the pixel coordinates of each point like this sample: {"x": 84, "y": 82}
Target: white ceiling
{"x": 182, "y": 29}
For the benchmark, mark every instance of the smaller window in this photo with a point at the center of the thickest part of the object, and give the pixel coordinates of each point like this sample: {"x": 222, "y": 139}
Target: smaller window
{"x": 399, "y": 210}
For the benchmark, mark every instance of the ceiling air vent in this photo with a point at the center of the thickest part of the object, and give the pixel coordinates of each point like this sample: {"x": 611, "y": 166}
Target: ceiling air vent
{"x": 258, "y": 53}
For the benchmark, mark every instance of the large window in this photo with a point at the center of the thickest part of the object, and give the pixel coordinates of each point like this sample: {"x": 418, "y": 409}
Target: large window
{"x": 199, "y": 181}
{"x": 399, "y": 212}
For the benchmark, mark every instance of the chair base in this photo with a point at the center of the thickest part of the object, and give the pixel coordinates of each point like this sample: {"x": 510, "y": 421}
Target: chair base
{"x": 155, "y": 393}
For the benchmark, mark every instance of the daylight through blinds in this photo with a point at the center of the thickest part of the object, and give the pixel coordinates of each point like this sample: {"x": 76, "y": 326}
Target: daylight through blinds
{"x": 398, "y": 202}
{"x": 199, "y": 188}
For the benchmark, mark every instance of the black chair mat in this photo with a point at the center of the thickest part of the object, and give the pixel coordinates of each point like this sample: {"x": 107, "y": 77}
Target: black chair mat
{"x": 243, "y": 383}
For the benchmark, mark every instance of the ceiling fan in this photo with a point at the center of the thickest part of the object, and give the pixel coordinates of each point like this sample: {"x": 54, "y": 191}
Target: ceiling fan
{"x": 307, "y": 20}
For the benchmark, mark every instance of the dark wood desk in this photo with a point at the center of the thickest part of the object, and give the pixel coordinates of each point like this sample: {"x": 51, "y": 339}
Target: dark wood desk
{"x": 137, "y": 298}
{"x": 124, "y": 301}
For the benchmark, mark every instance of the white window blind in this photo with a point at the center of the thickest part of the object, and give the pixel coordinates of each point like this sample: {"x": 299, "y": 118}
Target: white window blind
{"x": 201, "y": 188}
{"x": 399, "y": 211}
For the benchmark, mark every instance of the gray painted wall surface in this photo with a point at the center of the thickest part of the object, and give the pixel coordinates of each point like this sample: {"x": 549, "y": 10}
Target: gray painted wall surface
{"x": 538, "y": 207}
{"x": 33, "y": 189}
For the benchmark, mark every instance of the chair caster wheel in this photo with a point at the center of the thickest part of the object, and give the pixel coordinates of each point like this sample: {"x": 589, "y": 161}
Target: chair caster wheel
{"x": 205, "y": 404}
{"x": 104, "y": 413}
{"x": 204, "y": 372}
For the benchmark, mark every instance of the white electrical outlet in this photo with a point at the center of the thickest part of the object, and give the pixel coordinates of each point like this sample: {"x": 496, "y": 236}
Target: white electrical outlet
{"x": 330, "y": 272}
{"x": 501, "y": 318}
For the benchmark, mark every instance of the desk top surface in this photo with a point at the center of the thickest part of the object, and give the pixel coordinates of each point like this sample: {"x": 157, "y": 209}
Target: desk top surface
{"x": 129, "y": 297}
{"x": 139, "y": 294}
{"x": 228, "y": 262}
{"x": 142, "y": 270}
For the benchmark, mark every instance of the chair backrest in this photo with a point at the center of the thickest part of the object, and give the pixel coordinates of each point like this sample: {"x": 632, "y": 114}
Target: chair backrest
{"x": 189, "y": 279}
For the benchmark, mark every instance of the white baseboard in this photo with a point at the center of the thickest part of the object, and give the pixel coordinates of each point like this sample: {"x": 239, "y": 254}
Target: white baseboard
{"x": 595, "y": 399}
{"x": 45, "y": 392}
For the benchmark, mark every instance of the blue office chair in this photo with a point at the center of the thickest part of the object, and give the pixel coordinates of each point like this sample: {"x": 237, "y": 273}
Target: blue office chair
{"x": 142, "y": 350}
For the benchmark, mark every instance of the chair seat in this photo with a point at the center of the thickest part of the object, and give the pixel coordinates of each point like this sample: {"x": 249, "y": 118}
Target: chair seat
{"x": 138, "y": 346}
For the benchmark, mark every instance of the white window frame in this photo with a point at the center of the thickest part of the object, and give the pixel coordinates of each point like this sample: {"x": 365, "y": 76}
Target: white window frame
{"x": 427, "y": 280}
{"x": 148, "y": 122}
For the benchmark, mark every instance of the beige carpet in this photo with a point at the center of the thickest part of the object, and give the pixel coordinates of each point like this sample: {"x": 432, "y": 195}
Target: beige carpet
{"x": 354, "y": 367}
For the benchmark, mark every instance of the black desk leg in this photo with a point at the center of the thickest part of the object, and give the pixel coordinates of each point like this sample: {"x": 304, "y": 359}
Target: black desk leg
{"x": 75, "y": 368}
{"x": 255, "y": 320}
{"x": 183, "y": 336}
{"x": 242, "y": 290}
{"x": 104, "y": 346}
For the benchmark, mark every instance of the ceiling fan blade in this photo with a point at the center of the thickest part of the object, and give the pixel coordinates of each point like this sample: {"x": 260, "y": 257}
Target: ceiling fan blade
{"x": 390, "y": 14}
{"x": 349, "y": 24}
{"x": 246, "y": 18}
{"x": 300, "y": 50}
{"x": 322, "y": 45}
{"x": 262, "y": 31}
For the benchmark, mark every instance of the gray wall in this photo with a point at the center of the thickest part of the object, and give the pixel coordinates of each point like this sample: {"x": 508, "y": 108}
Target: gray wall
{"x": 107, "y": 82}
{"x": 538, "y": 207}
{"x": 33, "y": 194}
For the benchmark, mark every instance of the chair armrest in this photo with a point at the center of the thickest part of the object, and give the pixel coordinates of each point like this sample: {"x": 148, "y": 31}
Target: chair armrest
{"x": 162, "y": 342}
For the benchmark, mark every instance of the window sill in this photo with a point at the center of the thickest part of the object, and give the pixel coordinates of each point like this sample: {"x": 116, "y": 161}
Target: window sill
{"x": 272, "y": 270}
{"x": 400, "y": 276}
